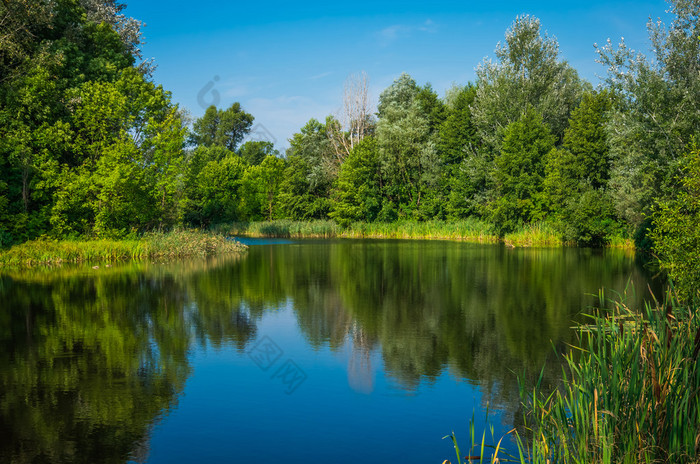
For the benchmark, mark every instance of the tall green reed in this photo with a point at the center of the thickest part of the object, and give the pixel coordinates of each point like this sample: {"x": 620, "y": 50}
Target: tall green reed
{"x": 630, "y": 391}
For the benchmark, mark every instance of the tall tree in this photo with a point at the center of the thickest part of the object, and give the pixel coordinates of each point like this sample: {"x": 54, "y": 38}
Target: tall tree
{"x": 659, "y": 111}
{"x": 408, "y": 154}
{"x": 358, "y": 191}
{"x": 225, "y": 128}
{"x": 457, "y": 132}
{"x": 520, "y": 172}
{"x": 312, "y": 167}
{"x": 528, "y": 73}
{"x": 676, "y": 234}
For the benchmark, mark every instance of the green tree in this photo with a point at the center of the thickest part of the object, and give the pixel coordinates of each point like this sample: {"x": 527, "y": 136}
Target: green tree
{"x": 312, "y": 167}
{"x": 576, "y": 175}
{"x": 130, "y": 139}
{"x": 217, "y": 196}
{"x": 407, "y": 151}
{"x": 520, "y": 172}
{"x": 457, "y": 133}
{"x": 466, "y": 171}
{"x": 358, "y": 194}
{"x": 261, "y": 187}
{"x": 676, "y": 234}
{"x": 255, "y": 151}
{"x": 225, "y": 128}
{"x": 658, "y": 114}
{"x": 65, "y": 68}
{"x": 528, "y": 73}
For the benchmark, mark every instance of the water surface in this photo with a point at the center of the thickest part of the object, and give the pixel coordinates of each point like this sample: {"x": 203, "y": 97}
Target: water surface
{"x": 299, "y": 351}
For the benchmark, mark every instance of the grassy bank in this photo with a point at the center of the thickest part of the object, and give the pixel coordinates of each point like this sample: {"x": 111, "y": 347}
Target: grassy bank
{"x": 469, "y": 230}
{"x": 176, "y": 244}
{"x": 630, "y": 394}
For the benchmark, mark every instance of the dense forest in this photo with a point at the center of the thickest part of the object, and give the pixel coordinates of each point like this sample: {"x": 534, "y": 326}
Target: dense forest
{"x": 91, "y": 146}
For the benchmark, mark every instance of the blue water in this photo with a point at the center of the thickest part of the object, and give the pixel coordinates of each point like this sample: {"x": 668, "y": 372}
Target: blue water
{"x": 338, "y": 351}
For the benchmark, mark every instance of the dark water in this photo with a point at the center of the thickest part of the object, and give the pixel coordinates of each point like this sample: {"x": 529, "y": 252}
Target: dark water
{"x": 340, "y": 352}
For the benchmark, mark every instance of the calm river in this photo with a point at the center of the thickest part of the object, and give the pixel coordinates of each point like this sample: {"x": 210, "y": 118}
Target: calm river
{"x": 342, "y": 351}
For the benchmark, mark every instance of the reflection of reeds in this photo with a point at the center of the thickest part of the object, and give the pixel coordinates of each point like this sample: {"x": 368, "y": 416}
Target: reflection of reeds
{"x": 175, "y": 244}
{"x": 630, "y": 393}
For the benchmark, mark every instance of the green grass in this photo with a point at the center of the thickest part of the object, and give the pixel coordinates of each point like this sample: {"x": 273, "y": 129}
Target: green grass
{"x": 534, "y": 235}
{"x": 617, "y": 241}
{"x": 630, "y": 393}
{"x": 469, "y": 230}
{"x": 176, "y": 244}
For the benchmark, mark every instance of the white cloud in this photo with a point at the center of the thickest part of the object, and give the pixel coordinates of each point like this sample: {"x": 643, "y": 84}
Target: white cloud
{"x": 320, "y": 76}
{"x": 390, "y": 34}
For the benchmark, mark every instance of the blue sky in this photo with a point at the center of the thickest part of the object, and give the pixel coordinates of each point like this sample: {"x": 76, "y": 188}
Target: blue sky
{"x": 286, "y": 62}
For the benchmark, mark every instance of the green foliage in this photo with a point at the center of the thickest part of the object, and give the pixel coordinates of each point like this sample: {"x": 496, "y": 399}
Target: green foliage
{"x": 629, "y": 393}
{"x": 225, "y": 128}
{"x": 586, "y": 138}
{"x": 528, "y": 73}
{"x": 467, "y": 173}
{"x": 357, "y": 193}
{"x": 309, "y": 175}
{"x": 470, "y": 187}
{"x": 130, "y": 140}
{"x": 457, "y": 133}
{"x": 408, "y": 156}
{"x": 261, "y": 187}
{"x": 254, "y": 152}
{"x": 676, "y": 234}
{"x": 216, "y": 197}
{"x": 588, "y": 218}
{"x": 576, "y": 175}
{"x": 90, "y": 146}
{"x": 432, "y": 107}
{"x": 659, "y": 111}
{"x": 520, "y": 172}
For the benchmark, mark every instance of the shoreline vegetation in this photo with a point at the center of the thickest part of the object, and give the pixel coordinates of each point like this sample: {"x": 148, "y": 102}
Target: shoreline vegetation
{"x": 154, "y": 245}
{"x": 197, "y": 243}
{"x": 630, "y": 393}
{"x": 469, "y": 230}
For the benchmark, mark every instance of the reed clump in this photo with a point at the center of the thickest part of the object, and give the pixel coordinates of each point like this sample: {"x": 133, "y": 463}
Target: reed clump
{"x": 473, "y": 230}
{"x": 631, "y": 391}
{"x": 630, "y": 394}
{"x": 540, "y": 234}
{"x": 154, "y": 245}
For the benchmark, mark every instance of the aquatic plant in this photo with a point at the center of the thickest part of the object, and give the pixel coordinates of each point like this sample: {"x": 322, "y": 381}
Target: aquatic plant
{"x": 630, "y": 392}
{"x": 175, "y": 244}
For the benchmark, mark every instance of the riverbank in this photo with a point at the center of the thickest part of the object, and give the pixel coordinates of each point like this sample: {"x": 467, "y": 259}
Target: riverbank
{"x": 155, "y": 245}
{"x": 469, "y": 230}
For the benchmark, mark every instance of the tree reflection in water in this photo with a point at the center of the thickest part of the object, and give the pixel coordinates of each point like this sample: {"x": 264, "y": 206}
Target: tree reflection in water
{"x": 92, "y": 359}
